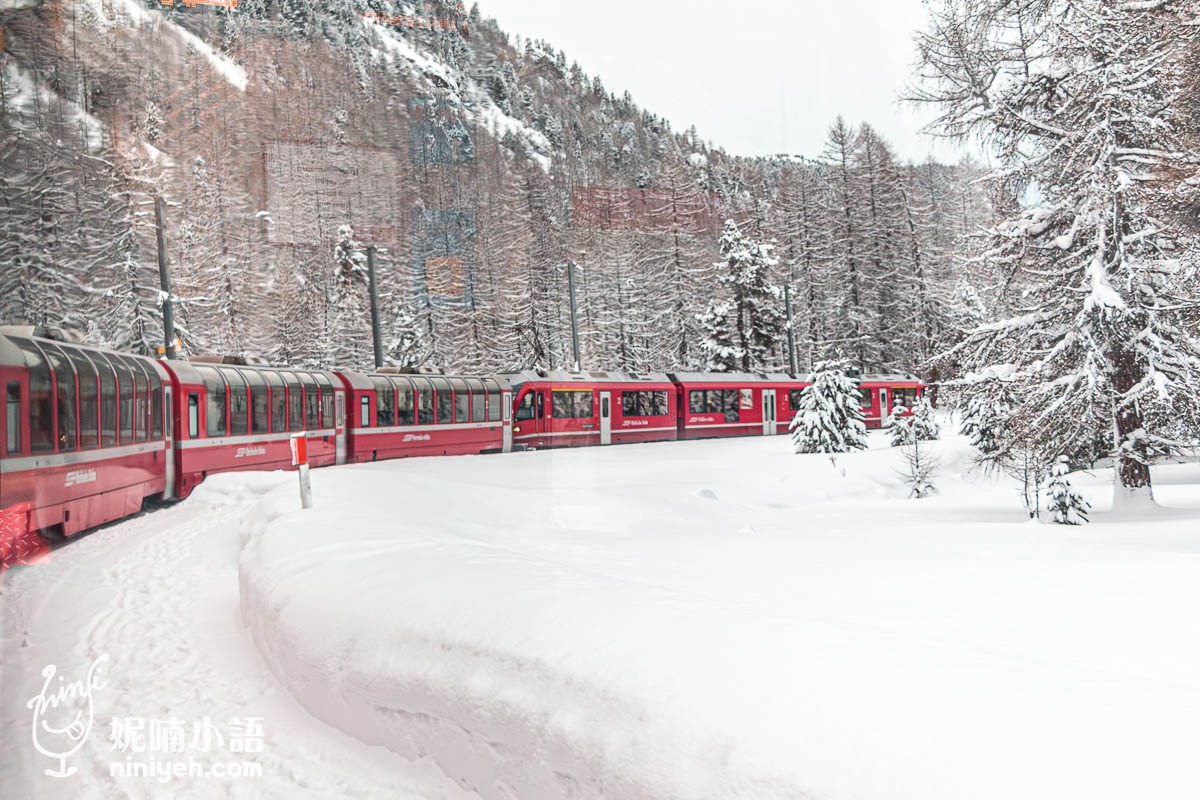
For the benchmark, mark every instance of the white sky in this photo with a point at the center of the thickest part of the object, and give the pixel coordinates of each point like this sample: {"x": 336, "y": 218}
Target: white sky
{"x": 766, "y": 78}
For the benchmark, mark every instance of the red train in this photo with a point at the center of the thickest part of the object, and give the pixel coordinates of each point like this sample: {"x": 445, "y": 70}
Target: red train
{"x": 89, "y": 435}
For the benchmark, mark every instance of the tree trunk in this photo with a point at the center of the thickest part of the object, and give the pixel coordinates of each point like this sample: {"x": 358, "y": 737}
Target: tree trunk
{"x": 1133, "y": 473}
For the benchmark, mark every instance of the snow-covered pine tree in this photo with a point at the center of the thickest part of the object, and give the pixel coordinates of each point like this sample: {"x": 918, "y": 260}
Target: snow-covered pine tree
{"x": 983, "y": 417}
{"x": 830, "y": 418}
{"x": 899, "y": 427}
{"x": 925, "y": 425}
{"x": 743, "y": 332}
{"x": 1066, "y": 505}
{"x": 349, "y": 312}
{"x": 1080, "y": 97}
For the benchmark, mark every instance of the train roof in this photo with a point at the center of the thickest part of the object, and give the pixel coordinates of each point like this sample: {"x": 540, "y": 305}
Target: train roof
{"x": 734, "y": 377}
{"x": 563, "y": 376}
{"x": 187, "y": 373}
{"x": 362, "y": 380}
{"x": 10, "y": 354}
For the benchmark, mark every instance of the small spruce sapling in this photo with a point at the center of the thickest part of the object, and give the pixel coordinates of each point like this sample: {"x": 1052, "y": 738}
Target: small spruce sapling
{"x": 1066, "y": 506}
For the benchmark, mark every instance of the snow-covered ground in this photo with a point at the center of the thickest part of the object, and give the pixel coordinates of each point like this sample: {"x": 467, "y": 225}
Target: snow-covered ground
{"x": 693, "y": 619}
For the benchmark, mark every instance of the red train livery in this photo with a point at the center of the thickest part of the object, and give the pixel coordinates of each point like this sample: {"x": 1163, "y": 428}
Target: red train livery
{"x": 89, "y": 435}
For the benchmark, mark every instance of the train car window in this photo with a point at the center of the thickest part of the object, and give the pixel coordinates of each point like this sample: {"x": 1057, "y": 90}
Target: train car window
{"x": 156, "y": 403}
{"x": 108, "y": 399}
{"x": 193, "y": 415}
{"x": 732, "y": 407}
{"x": 215, "y": 407}
{"x": 462, "y": 400}
{"x": 628, "y": 404}
{"x": 278, "y": 400}
{"x": 493, "y": 400}
{"x": 141, "y": 415}
{"x": 865, "y": 398}
{"x": 445, "y": 401}
{"x": 385, "y": 401}
{"x": 541, "y": 404}
{"x": 12, "y": 418}
{"x": 239, "y": 402}
{"x": 746, "y": 399}
{"x": 326, "y": 399}
{"x": 662, "y": 403}
{"x": 312, "y": 402}
{"x": 794, "y": 398}
{"x": 906, "y": 396}
{"x": 260, "y": 409}
{"x": 478, "y": 412}
{"x": 89, "y": 399}
{"x": 571, "y": 404}
{"x": 64, "y": 378}
{"x": 713, "y": 401}
{"x": 125, "y": 398}
{"x": 295, "y": 402}
{"x": 41, "y": 398}
{"x": 525, "y": 409}
{"x": 364, "y": 420}
{"x": 406, "y": 408}
{"x": 424, "y": 401}
{"x": 696, "y": 401}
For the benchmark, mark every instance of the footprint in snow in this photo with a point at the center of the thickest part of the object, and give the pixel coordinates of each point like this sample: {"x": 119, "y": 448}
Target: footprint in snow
{"x": 708, "y": 494}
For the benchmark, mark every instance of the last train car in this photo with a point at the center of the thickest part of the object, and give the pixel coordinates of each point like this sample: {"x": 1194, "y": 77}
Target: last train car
{"x": 555, "y": 408}
{"x": 84, "y": 437}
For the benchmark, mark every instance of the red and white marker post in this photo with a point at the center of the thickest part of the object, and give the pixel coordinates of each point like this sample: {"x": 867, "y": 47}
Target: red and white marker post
{"x": 300, "y": 461}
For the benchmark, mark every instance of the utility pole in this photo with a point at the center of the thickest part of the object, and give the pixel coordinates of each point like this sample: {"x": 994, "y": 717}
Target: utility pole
{"x": 574, "y": 314}
{"x": 787, "y": 301}
{"x": 164, "y": 279}
{"x": 376, "y": 339}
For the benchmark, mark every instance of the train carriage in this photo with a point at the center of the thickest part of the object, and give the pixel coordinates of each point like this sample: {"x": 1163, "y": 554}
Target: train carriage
{"x": 239, "y": 417}
{"x": 84, "y": 435}
{"x": 573, "y": 409}
{"x": 735, "y": 403}
{"x": 394, "y": 415}
{"x": 882, "y": 393}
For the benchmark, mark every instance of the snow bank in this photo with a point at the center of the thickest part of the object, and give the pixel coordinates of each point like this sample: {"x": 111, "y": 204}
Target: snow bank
{"x": 726, "y": 619}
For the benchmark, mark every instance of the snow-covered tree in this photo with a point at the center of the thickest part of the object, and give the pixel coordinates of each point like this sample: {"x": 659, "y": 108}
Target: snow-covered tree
{"x": 983, "y": 418}
{"x": 743, "y": 331}
{"x": 899, "y": 426}
{"x": 830, "y": 418}
{"x": 1080, "y": 98}
{"x": 1066, "y": 505}
{"x": 920, "y": 468}
{"x": 925, "y": 424}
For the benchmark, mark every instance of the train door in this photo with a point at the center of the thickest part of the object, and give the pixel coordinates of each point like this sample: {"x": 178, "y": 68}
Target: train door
{"x": 606, "y": 418}
{"x": 506, "y": 403}
{"x": 883, "y": 405}
{"x": 768, "y": 412}
{"x": 169, "y": 430}
{"x": 339, "y": 423}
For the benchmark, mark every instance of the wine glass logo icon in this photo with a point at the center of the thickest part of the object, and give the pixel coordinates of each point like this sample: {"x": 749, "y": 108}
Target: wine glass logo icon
{"x": 63, "y": 714}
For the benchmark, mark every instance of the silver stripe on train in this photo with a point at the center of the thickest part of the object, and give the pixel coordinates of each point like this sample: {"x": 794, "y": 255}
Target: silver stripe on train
{"x": 51, "y": 460}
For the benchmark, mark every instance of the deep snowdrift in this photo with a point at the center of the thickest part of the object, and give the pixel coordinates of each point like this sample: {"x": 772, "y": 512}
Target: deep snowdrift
{"x": 726, "y": 619}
